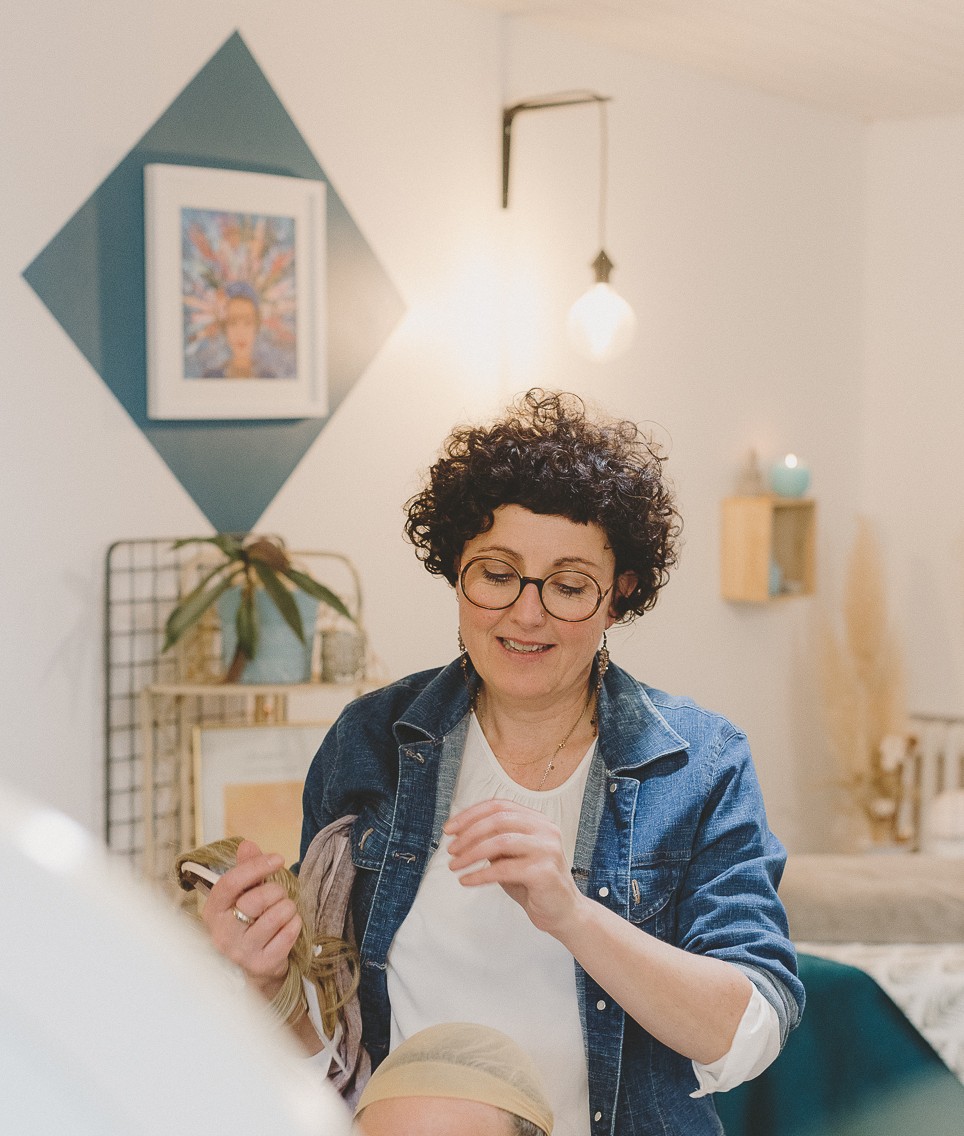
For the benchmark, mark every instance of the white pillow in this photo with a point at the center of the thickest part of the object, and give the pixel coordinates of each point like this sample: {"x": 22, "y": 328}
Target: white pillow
{"x": 943, "y": 828}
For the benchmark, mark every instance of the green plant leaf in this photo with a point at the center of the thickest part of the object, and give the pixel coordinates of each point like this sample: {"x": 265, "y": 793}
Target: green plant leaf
{"x": 190, "y": 609}
{"x": 319, "y": 591}
{"x": 282, "y": 598}
{"x": 246, "y": 624}
{"x": 228, "y": 544}
{"x": 198, "y": 588}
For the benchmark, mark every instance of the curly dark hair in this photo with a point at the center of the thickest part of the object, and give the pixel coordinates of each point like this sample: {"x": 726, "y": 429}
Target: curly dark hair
{"x": 548, "y": 456}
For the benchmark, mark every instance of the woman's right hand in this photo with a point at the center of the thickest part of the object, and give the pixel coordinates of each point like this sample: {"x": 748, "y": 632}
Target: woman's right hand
{"x": 260, "y": 948}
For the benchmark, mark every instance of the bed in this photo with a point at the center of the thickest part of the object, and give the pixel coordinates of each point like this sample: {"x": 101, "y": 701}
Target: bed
{"x": 880, "y": 1050}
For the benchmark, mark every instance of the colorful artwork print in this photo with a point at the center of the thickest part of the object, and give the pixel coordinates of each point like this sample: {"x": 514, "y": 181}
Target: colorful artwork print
{"x": 239, "y": 289}
{"x": 236, "y": 294}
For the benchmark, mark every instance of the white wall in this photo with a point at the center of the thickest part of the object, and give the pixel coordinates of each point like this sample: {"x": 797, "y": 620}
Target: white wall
{"x": 913, "y": 461}
{"x": 736, "y": 226}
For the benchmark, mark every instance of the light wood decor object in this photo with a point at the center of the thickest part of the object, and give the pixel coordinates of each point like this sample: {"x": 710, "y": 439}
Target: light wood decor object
{"x": 763, "y": 531}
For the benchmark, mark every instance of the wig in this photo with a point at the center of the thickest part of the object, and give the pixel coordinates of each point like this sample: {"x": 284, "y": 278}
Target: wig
{"x": 547, "y": 455}
{"x": 321, "y": 960}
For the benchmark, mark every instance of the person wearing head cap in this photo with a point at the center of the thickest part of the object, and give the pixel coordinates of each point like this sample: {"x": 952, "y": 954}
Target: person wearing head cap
{"x": 458, "y": 1076}
{"x": 240, "y": 325}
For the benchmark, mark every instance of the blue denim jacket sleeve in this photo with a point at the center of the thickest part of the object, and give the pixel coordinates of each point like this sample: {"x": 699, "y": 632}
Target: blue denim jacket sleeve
{"x": 728, "y": 905}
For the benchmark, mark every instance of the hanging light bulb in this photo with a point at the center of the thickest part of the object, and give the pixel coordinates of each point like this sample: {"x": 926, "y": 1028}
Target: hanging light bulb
{"x": 601, "y": 324}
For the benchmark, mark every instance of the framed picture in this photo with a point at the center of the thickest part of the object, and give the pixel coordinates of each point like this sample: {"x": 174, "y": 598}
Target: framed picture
{"x": 248, "y": 781}
{"x": 236, "y": 301}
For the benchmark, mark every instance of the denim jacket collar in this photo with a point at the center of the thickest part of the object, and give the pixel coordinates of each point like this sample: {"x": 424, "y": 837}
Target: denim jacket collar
{"x": 438, "y": 708}
{"x": 632, "y": 732}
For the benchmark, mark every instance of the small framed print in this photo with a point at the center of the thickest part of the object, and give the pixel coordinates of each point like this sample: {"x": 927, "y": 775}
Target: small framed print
{"x": 236, "y": 299}
{"x": 248, "y": 781}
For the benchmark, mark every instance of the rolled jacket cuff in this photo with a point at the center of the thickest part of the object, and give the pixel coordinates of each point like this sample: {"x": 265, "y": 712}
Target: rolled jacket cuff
{"x": 755, "y": 1045}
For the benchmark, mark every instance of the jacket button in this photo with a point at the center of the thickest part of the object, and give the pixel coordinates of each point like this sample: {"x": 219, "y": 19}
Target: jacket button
{"x": 600, "y": 1005}
{"x": 597, "y": 1116}
{"x": 612, "y": 786}
{"x": 603, "y": 892}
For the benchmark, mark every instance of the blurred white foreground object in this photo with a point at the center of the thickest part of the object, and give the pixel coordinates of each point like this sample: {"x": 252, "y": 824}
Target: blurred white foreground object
{"x": 115, "y": 1019}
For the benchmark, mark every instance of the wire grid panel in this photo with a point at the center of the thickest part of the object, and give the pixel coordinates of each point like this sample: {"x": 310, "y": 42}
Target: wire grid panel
{"x": 144, "y": 579}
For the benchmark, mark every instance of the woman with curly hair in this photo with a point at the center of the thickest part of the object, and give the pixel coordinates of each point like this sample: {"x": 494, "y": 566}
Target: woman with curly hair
{"x": 544, "y": 844}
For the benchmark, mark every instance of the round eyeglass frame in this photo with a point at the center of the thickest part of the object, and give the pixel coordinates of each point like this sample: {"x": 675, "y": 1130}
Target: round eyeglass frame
{"x": 524, "y": 580}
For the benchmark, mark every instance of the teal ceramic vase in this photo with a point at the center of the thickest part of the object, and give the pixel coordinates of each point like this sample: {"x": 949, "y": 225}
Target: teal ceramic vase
{"x": 281, "y": 656}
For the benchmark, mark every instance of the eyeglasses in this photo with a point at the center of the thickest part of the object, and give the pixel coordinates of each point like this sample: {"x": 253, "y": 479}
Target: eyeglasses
{"x": 566, "y": 595}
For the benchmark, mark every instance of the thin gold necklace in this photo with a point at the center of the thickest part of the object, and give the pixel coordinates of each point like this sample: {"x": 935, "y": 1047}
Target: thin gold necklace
{"x": 551, "y": 765}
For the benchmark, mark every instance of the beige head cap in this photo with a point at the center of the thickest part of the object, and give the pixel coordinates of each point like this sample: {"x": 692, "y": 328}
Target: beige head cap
{"x": 464, "y": 1061}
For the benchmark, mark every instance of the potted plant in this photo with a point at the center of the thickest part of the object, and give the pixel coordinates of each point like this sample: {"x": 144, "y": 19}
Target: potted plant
{"x": 258, "y": 573}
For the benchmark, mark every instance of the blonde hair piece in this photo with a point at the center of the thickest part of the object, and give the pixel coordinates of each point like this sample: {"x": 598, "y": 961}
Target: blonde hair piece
{"x": 314, "y": 958}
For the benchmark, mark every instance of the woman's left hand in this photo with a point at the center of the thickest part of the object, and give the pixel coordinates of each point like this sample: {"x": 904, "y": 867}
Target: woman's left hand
{"x": 524, "y": 855}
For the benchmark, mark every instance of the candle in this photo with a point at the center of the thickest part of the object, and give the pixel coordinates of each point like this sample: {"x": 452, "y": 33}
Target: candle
{"x": 789, "y": 477}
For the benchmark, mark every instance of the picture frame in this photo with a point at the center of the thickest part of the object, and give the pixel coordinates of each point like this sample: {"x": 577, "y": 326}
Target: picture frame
{"x": 236, "y": 296}
{"x": 248, "y": 781}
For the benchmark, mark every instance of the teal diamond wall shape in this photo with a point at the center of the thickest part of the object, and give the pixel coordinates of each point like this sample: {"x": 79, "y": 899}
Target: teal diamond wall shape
{"x": 91, "y": 277}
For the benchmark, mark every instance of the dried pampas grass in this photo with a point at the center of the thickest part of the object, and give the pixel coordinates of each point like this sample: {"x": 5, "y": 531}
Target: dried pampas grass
{"x": 863, "y": 689}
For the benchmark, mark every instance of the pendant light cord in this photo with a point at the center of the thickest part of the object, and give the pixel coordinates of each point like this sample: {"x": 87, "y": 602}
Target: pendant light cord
{"x": 603, "y": 170}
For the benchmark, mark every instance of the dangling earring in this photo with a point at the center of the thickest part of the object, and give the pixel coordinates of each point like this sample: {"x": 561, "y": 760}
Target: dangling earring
{"x": 464, "y": 664}
{"x": 602, "y": 658}
{"x": 602, "y": 665}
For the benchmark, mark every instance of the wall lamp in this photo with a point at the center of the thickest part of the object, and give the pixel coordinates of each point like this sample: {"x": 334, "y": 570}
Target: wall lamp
{"x": 601, "y": 324}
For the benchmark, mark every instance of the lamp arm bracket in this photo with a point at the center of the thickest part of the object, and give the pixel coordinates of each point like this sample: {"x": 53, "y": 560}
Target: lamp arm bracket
{"x": 543, "y": 102}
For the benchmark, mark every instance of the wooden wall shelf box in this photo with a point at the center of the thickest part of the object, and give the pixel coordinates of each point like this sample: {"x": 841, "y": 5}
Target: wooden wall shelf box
{"x": 758, "y": 532}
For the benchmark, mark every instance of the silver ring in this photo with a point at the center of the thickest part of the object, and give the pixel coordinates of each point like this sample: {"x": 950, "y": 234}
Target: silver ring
{"x": 241, "y": 917}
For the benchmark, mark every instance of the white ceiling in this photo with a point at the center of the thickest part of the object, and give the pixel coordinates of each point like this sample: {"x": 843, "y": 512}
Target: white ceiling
{"x": 871, "y": 59}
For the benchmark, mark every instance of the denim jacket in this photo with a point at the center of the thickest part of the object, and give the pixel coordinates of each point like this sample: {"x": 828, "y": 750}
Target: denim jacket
{"x": 672, "y": 836}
